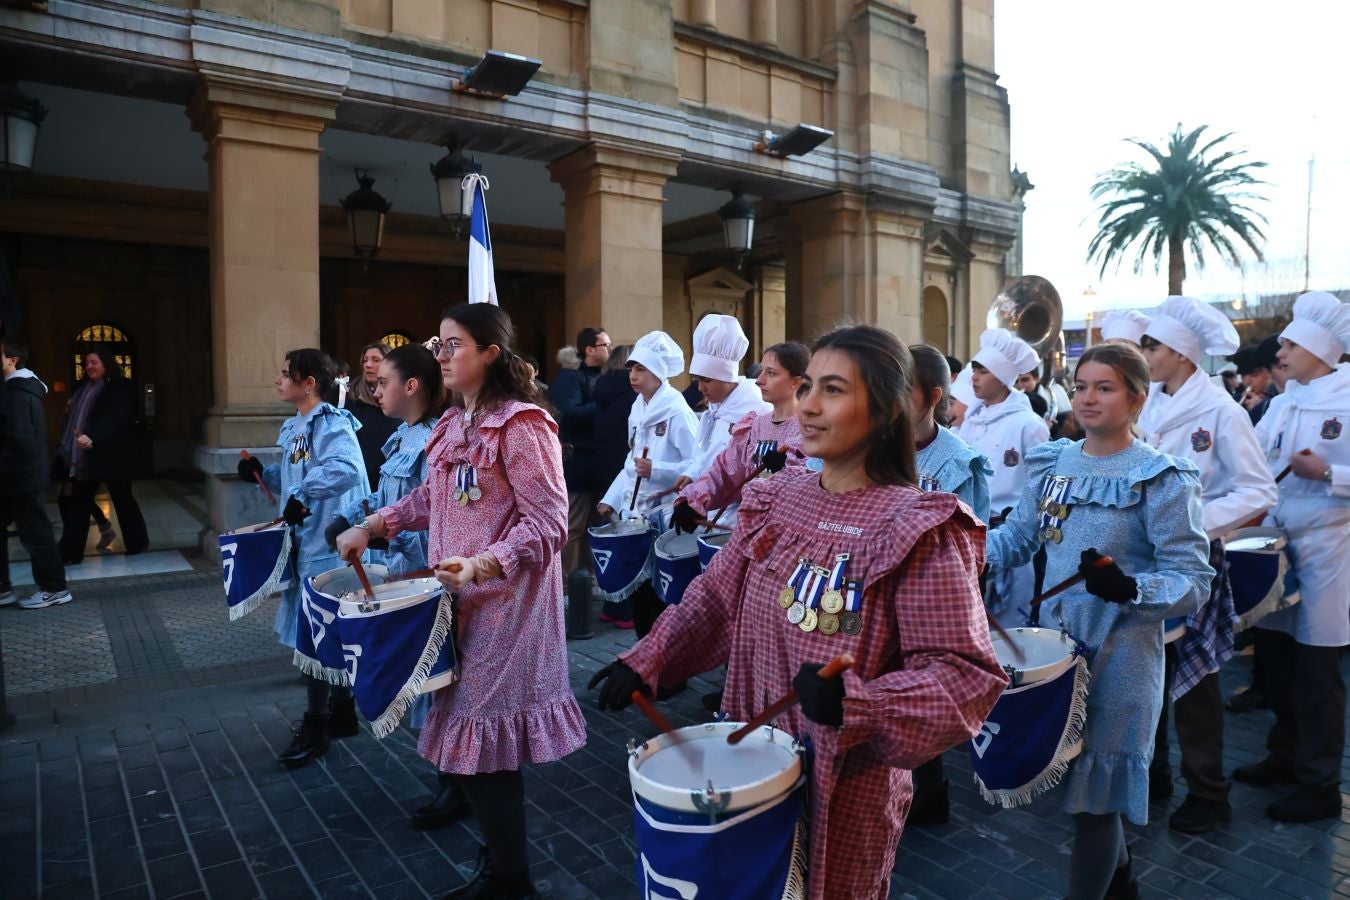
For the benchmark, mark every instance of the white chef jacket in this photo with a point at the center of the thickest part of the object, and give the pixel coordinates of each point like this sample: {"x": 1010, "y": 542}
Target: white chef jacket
{"x": 664, "y": 427}
{"x": 714, "y": 426}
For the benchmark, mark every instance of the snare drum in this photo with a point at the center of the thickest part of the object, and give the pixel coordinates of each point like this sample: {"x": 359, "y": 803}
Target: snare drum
{"x": 676, "y": 565}
{"x": 254, "y": 563}
{"x": 1260, "y": 574}
{"x": 397, "y": 647}
{"x": 718, "y": 820}
{"x": 318, "y": 649}
{"x": 709, "y": 544}
{"x": 622, "y": 553}
{"x": 1036, "y": 728}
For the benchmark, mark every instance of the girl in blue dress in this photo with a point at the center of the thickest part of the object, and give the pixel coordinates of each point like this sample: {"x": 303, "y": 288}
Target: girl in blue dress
{"x": 945, "y": 463}
{"x": 320, "y": 474}
{"x": 1112, "y": 495}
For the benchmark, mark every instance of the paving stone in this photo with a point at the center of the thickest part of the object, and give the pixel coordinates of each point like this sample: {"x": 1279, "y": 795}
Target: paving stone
{"x": 118, "y": 869}
{"x": 173, "y": 875}
{"x": 230, "y": 881}
{"x": 285, "y": 884}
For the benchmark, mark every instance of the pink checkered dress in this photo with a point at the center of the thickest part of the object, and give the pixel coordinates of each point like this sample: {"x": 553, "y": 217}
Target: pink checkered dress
{"x": 513, "y": 703}
{"x": 926, "y": 675}
{"x": 720, "y": 485}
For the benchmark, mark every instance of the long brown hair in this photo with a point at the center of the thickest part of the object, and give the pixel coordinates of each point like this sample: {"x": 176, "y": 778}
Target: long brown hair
{"x": 508, "y": 377}
{"x": 932, "y": 371}
{"x": 887, "y": 369}
{"x": 1128, "y": 362}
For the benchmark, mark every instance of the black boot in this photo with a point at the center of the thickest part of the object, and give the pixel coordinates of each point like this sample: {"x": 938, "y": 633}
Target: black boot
{"x": 930, "y": 807}
{"x": 446, "y": 808}
{"x": 1200, "y": 815}
{"x": 487, "y": 884}
{"x": 712, "y": 701}
{"x": 342, "y": 716}
{"x": 1270, "y": 770}
{"x": 1160, "y": 785}
{"x": 310, "y": 741}
{"x": 1123, "y": 885}
{"x": 1306, "y": 804}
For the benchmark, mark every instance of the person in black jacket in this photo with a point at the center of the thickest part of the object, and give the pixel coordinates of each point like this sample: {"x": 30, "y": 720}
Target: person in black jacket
{"x": 97, "y": 446}
{"x": 571, "y": 397}
{"x": 376, "y": 427}
{"x": 23, "y": 480}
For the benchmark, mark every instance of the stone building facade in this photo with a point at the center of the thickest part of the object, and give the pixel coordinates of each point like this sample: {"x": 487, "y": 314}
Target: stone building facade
{"x": 188, "y": 172}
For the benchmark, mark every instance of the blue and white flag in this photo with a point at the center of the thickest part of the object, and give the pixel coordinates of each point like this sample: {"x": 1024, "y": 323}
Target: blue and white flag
{"x": 253, "y": 564}
{"x": 482, "y": 281}
{"x": 395, "y": 650}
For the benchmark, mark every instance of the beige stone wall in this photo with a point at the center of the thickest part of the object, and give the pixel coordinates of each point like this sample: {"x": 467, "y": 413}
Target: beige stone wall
{"x": 749, "y": 85}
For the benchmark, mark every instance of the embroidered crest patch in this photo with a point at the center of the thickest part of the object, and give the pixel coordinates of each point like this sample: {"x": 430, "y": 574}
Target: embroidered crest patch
{"x": 661, "y": 429}
{"x": 1201, "y": 440}
{"x": 1011, "y": 457}
{"x": 1331, "y": 429}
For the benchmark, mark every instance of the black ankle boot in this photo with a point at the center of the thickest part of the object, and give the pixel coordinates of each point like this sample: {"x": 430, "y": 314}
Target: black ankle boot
{"x": 930, "y": 807}
{"x": 488, "y": 884}
{"x": 342, "y": 716}
{"x": 310, "y": 741}
{"x": 1123, "y": 885}
{"x": 446, "y": 808}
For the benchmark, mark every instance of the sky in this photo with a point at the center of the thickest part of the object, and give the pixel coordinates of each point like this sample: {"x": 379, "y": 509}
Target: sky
{"x": 1084, "y": 76}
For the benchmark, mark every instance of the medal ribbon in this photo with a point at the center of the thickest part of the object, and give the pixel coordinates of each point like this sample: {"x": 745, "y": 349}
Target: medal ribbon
{"x": 928, "y": 484}
{"x": 1055, "y": 489}
{"x": 473, "y": 479}
{"x": 814, "y": 587}
{"x": 798, "y": 574}
{"x": 459, "y": 480}
{"x": 853, "y": 597}
{"x": 763, "y": 447}
{"x": 837, "y": 575}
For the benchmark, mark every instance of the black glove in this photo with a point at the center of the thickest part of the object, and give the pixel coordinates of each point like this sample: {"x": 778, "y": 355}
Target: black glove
{"x": 1107, "y": 582}
{"x": 294, "y": 513}
{"x": 619, "y": 684}
{"x": 250, "y": 469}
{"x": 684, "y": 518}
{"x": 774, "y": 460}
{"x": 822, "y": 698}
{"x": 335, "y": 528}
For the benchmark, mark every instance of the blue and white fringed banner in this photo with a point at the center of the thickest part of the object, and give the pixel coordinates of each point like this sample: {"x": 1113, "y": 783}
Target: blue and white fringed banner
{"x": 318, "y": 646}
{"x": 482, "y": 280}
{"x": 1032, "y": 734}
{"x": 394, "y": 651}
{"x": 253, "y": 565}
{"x": 622, "y": 554}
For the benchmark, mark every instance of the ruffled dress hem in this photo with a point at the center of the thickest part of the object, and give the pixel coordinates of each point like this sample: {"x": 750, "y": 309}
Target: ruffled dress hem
{"x": 469, "y": 746}
{"x": 1101, "y": 783}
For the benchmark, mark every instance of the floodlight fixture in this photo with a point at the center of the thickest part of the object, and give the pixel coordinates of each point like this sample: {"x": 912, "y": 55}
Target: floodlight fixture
{"x": 499, "y": 75}
{"x": 797, "y": 142}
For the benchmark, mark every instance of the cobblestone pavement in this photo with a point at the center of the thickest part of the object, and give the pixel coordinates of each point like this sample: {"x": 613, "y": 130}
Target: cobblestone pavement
{"x": 142, "y": 766}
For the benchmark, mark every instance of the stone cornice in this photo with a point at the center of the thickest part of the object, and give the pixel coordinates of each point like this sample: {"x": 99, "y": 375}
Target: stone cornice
{"x": 742, "y": 47}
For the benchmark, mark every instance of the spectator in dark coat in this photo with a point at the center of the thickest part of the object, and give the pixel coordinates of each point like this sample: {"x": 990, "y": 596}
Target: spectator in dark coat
{"x": 376, "y": 427}
{"x": 614, "y": 397}
{"x": 98, "y": 446}
{"x": 23, "y": 480}
{"x": 571, "y": 397}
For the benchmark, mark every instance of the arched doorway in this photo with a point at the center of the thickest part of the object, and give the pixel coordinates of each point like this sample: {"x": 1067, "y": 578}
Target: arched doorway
{"x": 935, "y": 320}
{"x": 124, "y": 350}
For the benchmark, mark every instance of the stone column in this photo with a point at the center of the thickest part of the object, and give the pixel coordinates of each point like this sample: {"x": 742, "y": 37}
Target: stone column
{"x": 262, "y": 151}
{"x": 612, "y": 239}
{"x": 764, "y": 22}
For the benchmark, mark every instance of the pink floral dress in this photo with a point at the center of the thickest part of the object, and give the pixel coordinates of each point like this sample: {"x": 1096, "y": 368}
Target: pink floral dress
{"x": 512, "y": 704}
{"x": 721, "y": 484}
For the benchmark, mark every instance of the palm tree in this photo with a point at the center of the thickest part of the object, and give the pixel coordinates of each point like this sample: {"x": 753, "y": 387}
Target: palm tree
{"x": 1191, "y": 196}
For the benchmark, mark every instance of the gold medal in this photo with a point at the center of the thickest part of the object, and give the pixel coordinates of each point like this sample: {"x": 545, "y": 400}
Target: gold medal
{"x": 796, "y": 612}
{"x": 475, "y": 493}
{"x": 809, "y": 621}
{"x": 829, "y": 623}
{"x": 785, "y": 597}
{"x": 832, "y": 602}
{"x": 1044, "y": 504}
{"x": 850, "y": 623}
{"x": 463, "y": 499}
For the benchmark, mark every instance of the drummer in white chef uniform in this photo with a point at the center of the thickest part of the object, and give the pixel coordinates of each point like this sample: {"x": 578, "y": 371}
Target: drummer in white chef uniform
{"x": 1123, "y": 326}
{"x": 661, "y": 442}
{"x": 1003, "y": 426}
{"x": 1304, "y": 429}
{"x": 719, "y": 346}
{"x": 1187, "y": 416}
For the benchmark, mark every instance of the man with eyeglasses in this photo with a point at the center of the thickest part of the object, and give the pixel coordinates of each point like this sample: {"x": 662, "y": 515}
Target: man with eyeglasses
{"x": 570, "y": 395}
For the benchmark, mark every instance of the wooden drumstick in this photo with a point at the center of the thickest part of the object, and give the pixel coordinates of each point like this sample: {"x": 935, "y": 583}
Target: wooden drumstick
{"x": 354, "y": 559}
{"x": 649, "y": 710}
{"x": 782, "y": 448}
{"x": 832, "y": 669}
{"x": 637, "y": 483}
{"x": 1101, "y": 563}
{"x": 257, "y": 476}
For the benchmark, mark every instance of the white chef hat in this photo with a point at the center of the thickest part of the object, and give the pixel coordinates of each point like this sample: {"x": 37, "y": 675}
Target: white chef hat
{"x": 1321, "y": 326}
{"x": 719, "y": 345}
{"x": 1193, "y": 329}
{"x": 1124, "y": 325}
{"x": 961, "y": 389}
{"x": 658, "y": 353}
{"x": 1006, "y": 355}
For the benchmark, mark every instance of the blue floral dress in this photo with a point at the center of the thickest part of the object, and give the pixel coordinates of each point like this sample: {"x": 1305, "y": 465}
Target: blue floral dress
{"x": 321, "y": 466}
{"x": 1142, "y": 508}
{"x": 951, "y": 465}
{"x": 404, "y": 469}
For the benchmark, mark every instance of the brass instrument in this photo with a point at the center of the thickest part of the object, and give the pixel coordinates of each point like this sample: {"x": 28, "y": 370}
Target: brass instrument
{"x": 1030, "y": 308}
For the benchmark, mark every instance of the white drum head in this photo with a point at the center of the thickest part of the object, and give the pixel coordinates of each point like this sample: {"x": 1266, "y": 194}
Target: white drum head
{"x": 716, "y": 539}
{"x": 671, "y": 772}
{"x": 676, "y": 546}
{"x": 621, "y": 528}
{"x": 1256, "y": 540}
{"x": 1045, "y": 652}
{"x": 344, "y": 581}
{"x": 389, "y": 597}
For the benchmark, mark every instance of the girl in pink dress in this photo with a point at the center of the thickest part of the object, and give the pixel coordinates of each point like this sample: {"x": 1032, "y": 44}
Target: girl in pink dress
{"x": 926, "y": 675}
{"x": 497, "y": 537}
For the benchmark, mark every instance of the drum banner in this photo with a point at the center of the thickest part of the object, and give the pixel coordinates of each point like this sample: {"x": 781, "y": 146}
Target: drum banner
{"x": 622, "y": 564}
{"x": 1032, "y": 734}
{"x": 390, "y": 654}
{"x": 1262, "y": 583}
{"x": 253, "y": 566}
{"x": 318, "y": 648}
{"x": 759, "y": 853}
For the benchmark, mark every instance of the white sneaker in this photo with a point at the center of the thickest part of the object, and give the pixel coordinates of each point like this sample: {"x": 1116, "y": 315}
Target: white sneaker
{"x": 8, "y": 598}
{"x": 43, "y": 599}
